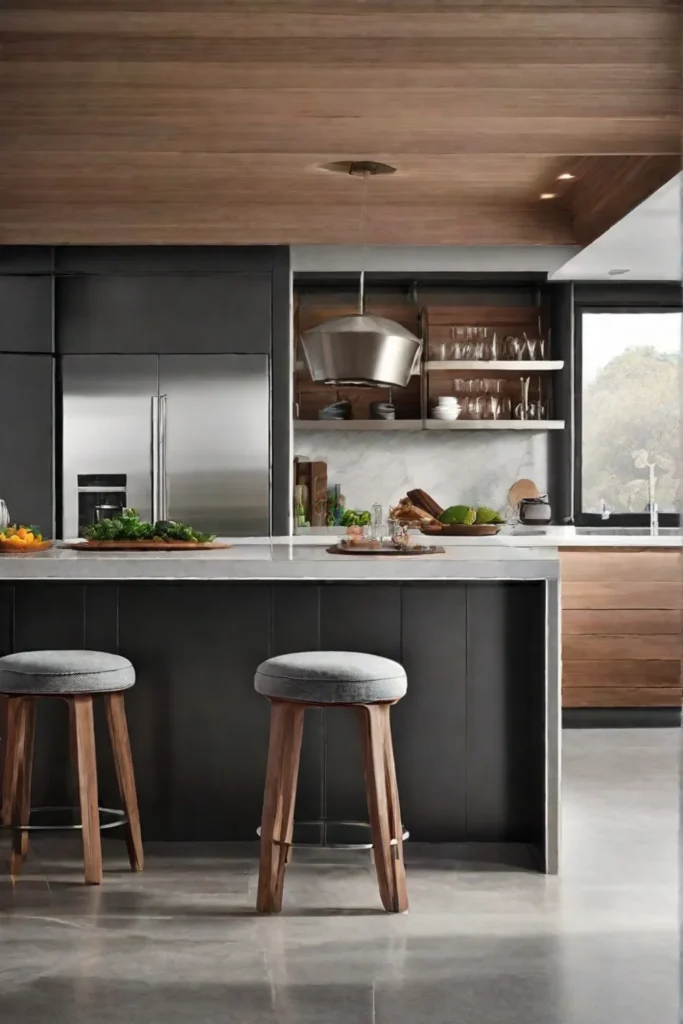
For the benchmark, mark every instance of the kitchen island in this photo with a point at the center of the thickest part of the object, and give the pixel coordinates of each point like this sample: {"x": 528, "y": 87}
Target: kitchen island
{"x": 476, "y": 738}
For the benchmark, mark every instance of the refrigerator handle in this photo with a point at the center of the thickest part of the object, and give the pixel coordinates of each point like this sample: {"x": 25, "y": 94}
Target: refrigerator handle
{"x": 163, "y": 479}
{"x": 155, "y": 459}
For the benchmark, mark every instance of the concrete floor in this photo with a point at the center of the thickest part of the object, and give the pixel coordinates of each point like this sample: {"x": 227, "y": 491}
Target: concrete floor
{"x": 180, "y": 942}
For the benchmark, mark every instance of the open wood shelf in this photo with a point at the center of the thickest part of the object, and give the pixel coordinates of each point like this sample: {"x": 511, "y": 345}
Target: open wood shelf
{"x": 415, "y": 425}
{"x": 523, "y": 366}
{"x": 436, "y": 324}
{"x": 495, "y": 425}
{"x": 358, "y": 424}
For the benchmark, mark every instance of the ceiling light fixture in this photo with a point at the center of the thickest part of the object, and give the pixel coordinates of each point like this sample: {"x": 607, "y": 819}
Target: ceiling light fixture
{"x": 361, "y": 349}
{"x": 548, "y": 195}
{"x": 566, "y": 176}
{"x": 618, "y": 271}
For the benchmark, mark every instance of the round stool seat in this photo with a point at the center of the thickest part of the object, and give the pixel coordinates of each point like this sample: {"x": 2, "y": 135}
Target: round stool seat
{"x": 64, "y": 672}
{"x": 331, "y": 677}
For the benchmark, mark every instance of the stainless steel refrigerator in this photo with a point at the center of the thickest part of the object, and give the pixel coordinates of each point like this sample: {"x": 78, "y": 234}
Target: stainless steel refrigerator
{"x": 175, "y": 437}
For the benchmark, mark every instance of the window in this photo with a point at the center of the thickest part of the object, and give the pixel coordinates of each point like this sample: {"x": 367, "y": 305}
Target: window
{"x": 628, "y": 412}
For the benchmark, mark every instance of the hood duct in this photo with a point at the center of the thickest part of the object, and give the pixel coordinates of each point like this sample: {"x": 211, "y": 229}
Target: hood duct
{"x": 361, "y": 350}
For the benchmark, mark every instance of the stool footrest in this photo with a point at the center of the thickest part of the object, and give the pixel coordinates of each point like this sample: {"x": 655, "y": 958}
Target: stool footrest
{"x": 324, "y": 824}
{"x": 119, "y": 818}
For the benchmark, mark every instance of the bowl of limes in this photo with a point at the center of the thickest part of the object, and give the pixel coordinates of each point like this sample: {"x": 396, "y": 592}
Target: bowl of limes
{"x": 466, "y": 521}
{"x": 19, "y": 540}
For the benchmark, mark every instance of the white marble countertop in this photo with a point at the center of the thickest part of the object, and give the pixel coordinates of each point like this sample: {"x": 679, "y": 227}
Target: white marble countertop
{"x": 540, "y": 537}
{"x": 263, "y": 559}
{"x": 567, "y": 537}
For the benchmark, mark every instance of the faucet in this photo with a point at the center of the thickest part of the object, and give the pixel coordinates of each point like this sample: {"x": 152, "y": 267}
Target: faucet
{"x": 604, "y": 511}
{"x": 642, "y": 461}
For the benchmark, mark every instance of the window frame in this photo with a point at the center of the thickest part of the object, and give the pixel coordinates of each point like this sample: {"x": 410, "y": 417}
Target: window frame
{"x": 594, "y": 519}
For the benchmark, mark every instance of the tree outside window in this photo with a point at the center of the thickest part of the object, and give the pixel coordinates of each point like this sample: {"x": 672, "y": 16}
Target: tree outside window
{"x": 631, "y": 364}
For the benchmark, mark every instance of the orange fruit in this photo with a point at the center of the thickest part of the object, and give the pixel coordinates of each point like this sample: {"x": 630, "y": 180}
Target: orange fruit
{"x": 21, "y": 532}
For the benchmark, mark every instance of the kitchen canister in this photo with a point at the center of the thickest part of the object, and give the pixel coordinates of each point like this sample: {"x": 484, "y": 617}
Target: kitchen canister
{"x": 535, "y": 511}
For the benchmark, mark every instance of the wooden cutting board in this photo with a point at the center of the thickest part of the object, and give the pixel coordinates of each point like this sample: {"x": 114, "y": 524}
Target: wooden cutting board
{"x": 522, "y": 489}
{"x": 318, "y": 494}
{"x": 144, "y": 545}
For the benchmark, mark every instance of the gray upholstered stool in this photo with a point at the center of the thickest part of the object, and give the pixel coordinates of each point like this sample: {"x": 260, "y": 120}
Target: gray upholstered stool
{"x": 370, "y": 685}
{"x": 76, "y": 677}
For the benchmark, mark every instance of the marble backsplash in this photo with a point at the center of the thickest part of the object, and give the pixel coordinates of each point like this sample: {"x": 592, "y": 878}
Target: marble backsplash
{"x": 455, "y": 468}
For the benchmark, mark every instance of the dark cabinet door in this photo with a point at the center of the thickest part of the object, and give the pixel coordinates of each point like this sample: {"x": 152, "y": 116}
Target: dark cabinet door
{"x": 26, "y": 438}
{"x": 25, "y": 313}
{"x": 171, "y": 314}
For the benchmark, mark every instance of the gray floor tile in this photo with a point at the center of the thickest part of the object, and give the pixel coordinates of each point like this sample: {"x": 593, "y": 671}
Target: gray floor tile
{"x": 491, "y": 942}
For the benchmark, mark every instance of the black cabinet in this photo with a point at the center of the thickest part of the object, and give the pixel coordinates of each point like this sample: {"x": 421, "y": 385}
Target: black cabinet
{"x": 469, "y": 736}
{"x": 25, "y": 313}
{"x": 173, "y": 313}
{"x": 26, "y": 438}
{"x": 26, "y": 259}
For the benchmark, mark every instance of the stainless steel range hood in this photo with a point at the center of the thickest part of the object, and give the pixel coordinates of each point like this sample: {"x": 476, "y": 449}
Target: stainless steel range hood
{"x": 361, "y": 350}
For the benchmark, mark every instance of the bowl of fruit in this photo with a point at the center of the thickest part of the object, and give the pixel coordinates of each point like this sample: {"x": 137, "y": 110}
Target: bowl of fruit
{"x": 465, "y": 521}
{"x": 20, "y": 540}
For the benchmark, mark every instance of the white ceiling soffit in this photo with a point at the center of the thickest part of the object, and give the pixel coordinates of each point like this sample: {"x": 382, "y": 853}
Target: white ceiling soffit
{"x": 431, "y": 258}
{"x": 646, "y": 244}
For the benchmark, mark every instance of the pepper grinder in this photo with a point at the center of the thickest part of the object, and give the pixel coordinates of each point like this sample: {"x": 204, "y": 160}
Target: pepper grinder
{"x": 377, "y": 522}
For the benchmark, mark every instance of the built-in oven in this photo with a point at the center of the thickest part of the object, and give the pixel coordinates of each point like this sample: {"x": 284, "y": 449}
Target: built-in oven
{"x": 100, "y": 496}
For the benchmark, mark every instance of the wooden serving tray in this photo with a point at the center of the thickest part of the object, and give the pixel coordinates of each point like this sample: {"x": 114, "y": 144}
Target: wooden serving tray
{"x": 458, "y": 530}
{"x": 424, "y": 550}
{"x": 28, "y": 549}
{"x": 144, "y": 545}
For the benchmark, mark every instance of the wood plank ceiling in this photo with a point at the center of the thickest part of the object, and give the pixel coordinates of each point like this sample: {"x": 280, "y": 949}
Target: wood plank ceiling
{"x": 190, "y": 121}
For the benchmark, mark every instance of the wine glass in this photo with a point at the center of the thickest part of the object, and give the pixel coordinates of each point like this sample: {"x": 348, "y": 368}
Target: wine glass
{"x": 477, "y": 407}
{"x": 492, "y": 407}
{"x": 515, "y": 347}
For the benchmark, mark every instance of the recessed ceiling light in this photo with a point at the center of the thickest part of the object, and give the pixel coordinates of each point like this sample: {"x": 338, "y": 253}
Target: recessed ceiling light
{"x": 565, "y": 177}
{"x": 618, "y": 271}
{"x": 547, "y": 195}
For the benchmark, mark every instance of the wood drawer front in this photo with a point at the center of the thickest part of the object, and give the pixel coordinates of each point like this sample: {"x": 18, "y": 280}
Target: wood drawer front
{"x": 621, "y": 674}
{"x": 619, "y": 696}
{"x": 620, "y": 621}
{"x": 650, "y": 647}
{"x": 622, "y": 566}
{"x": 621, "y": 595}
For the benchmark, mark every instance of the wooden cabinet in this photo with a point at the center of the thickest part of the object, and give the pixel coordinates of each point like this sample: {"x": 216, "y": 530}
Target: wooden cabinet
{"x": 621, "y": 627}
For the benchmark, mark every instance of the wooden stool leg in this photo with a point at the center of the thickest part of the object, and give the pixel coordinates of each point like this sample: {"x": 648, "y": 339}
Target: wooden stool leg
{"x": 383, "y": 809}
{"x": 23, "y": 719}
{"x": 277, "y": 822}
{"x": 398, "y": 869}
{"x": 8, "y": 706}
{"x": 83, "y": 733}
{"x": 120, "y": 742}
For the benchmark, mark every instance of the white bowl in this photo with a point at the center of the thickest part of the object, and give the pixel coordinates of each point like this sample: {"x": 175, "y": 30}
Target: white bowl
{"x": 441, "y": 413}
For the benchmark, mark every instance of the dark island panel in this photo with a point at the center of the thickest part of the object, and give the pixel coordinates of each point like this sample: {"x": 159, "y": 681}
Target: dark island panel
{"x": 433, "y": 773}
{"x": 469, "y": 736}
{"x": 505, "y": 712}
{"x": 195, "y": 648}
